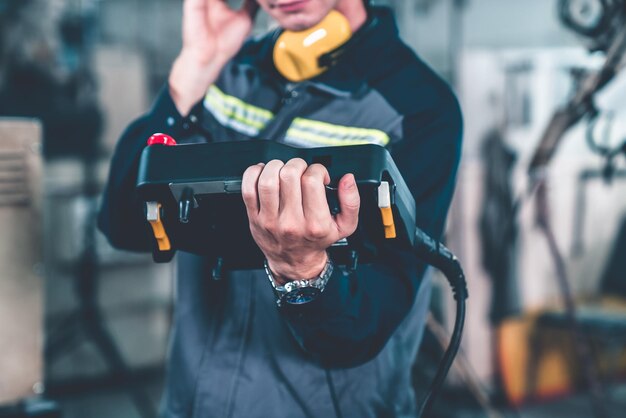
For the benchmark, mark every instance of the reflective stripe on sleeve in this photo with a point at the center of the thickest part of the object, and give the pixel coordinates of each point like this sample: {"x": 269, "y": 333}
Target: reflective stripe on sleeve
{"x": 234, "y": 113}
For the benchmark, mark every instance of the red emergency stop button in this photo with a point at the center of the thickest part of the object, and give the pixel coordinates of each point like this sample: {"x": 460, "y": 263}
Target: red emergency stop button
{"x": 161, "y": 139}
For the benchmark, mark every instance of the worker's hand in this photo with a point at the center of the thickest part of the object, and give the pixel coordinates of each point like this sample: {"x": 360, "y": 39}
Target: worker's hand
{"x": 212, "y": 35}
{"x": 289, "y": 215}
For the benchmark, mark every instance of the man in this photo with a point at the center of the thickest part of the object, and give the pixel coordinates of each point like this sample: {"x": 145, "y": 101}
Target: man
{"x": 348, "y": 352}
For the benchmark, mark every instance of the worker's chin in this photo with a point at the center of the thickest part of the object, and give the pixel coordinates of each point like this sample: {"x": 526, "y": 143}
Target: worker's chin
{"x": 298, "y": 21}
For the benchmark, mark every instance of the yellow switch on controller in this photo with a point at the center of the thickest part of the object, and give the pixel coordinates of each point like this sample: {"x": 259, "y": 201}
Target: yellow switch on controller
{"x": 384, "y": 203}
{"x": 388, "y": 224}
{"x": 153, "y": 215}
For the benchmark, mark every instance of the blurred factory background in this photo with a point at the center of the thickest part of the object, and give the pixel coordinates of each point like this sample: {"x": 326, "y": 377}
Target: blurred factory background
{"x": 84, "y": 327}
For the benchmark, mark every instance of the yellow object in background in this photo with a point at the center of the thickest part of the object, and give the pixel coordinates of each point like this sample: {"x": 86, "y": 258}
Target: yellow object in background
{"x": 554, "y": 369}
{"x": 540, "y": 363}
{"x": 296, "y": 54}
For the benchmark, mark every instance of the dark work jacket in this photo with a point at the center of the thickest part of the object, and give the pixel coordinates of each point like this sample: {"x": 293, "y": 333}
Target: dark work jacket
{"x": 233, "y": 352}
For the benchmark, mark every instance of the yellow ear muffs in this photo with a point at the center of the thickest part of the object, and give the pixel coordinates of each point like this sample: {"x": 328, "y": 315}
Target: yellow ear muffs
{"x": 296, "y": 54}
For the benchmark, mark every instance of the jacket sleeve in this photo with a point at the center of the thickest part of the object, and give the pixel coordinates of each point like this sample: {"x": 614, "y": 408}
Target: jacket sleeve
{"x": 358, "y": 312}
{"x": 121, "y": 216}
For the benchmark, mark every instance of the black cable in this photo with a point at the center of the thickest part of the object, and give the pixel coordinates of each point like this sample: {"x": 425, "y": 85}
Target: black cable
{"x": 438, "y": 256}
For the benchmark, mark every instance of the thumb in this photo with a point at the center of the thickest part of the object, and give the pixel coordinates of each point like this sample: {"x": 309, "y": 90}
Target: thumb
{"x": 349, "y": 204}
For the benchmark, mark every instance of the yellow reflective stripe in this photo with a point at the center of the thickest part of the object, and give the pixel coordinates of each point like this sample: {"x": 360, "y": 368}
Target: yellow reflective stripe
{"x": 235, "y": 113}
{"x": 228, "y": 109}
{"x": 232, "y": 113}
{"x": 330, "y": 134}
{"x": 238, "y": 103}
{"x": 328, "y": 129}
{"x": 303, "y": 136}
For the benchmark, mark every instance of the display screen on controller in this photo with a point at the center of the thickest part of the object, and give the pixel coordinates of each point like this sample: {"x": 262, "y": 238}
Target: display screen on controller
{"x": 192, "y": 198}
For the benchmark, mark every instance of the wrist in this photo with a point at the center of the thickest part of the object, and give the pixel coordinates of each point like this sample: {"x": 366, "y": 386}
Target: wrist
{"x": 190, "y": 78}
{"x": 299, "y": 292}
{"x": 306, "y": 268}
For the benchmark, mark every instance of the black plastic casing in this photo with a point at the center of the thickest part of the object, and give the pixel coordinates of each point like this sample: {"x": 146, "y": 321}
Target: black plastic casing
{"x": 218, "y": 223}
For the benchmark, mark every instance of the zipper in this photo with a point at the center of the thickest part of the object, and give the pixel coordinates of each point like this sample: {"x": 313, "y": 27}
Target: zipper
{"x": 288, "y": 109}
{"x": 290, "y": 94}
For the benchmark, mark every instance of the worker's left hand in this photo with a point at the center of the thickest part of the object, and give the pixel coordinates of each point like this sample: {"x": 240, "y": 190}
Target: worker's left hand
{"x": 289, "y": 215}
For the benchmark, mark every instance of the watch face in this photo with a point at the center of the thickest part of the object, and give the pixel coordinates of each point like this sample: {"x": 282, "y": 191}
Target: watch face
{"x": 302, "y": 295}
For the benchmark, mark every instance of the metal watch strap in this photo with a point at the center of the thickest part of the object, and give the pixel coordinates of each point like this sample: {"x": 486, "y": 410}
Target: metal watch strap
{"x": 294, "y": 286}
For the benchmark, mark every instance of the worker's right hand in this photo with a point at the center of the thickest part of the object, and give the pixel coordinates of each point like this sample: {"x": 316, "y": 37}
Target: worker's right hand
{"x": 212, "y": 35}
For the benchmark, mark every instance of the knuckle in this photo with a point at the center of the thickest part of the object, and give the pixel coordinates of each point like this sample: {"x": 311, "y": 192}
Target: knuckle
{"x": 288, "y": 173}
{"x": 315, "y": 231}
{"x": 268, "y": 225}
{"x": 275, "y": 163}
{"x": 354, "y": 204}
{"x": 249, "y": 197}
{"x": 310, "y": 180}
{"x": 255, "y": 227}
{"x": 266, "y": 185}
{"x": 251, "y": 171}
{"x": 248, "y": 194}
{"x": 297, "y": 162}
{"x": 289, "y": 230}
{"x": 318, "y": 169}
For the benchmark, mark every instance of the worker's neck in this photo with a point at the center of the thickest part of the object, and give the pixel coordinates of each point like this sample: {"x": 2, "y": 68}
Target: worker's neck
{"x": 354, "y": 11}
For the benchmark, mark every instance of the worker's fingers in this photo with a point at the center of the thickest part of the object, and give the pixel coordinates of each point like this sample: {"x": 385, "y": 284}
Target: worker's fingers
{"x": 349, "y": 203}
{"x": 249, "y": 192}
{"x": 195, "y": 5}
{"x": 268, "y": 188}
{"x": 290, "y": 190}
{"x": 217, "y": 5}
{"x": 315, "y": 205}
{"x": 213, "y": 2}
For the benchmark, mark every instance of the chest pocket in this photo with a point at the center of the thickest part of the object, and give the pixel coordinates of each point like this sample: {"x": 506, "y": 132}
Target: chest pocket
{"x": 310, "y": 133}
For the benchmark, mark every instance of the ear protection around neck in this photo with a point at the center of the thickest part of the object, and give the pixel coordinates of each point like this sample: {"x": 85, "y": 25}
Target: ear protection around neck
{"x": 296, "y": 54}
{"x": 302, "y": 55}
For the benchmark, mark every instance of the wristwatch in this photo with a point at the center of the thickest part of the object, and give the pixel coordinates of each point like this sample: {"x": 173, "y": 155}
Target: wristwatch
{"x": 299, "y": 292}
